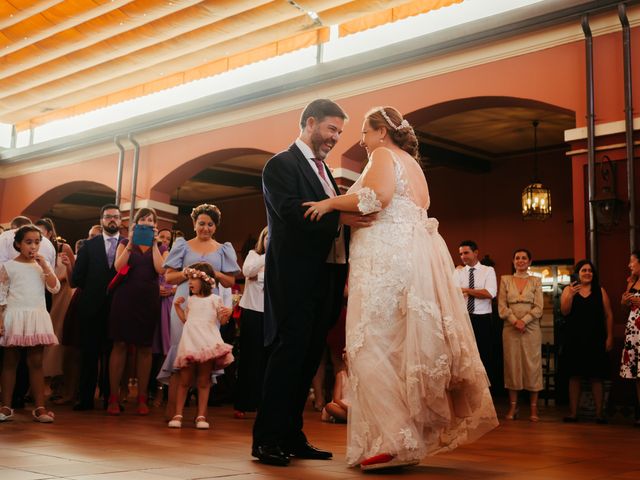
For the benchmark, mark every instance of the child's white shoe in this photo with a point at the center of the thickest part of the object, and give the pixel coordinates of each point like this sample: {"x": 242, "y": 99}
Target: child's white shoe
{"x": 175, "y": 422}
{"x": 41, "y": 415}
{"x": 201, "y": 423}
{"x": 6, "y": 415}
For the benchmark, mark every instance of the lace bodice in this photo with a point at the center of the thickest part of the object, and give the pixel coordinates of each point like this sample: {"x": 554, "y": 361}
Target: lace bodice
{"x": 403, "y": 206}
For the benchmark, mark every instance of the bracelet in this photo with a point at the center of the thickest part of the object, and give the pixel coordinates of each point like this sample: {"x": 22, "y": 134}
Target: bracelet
{"x": 47, "y": 274}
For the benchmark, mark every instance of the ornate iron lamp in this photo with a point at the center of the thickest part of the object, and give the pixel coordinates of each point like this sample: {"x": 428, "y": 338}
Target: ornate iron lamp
{"x": 536, "y": 198}
{"x": 608, "y": 207}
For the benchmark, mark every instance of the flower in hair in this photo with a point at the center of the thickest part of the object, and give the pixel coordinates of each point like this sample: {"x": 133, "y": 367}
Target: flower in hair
{"x": 195, "y": 273}
{"x": 403, "y": 124}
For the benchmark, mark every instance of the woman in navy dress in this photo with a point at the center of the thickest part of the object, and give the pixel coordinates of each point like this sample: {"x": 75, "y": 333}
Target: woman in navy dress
{"x": 135, "y": 310}
{"x": 203, "y": 248}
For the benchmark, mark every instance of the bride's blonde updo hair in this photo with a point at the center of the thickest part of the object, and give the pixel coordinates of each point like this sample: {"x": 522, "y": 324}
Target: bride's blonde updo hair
{"x": 400, "y": 131}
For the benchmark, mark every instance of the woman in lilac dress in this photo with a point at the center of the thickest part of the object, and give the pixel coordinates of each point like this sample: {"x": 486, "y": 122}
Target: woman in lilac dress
{"x": 203, "y": 248}
{"x": 162, "y": 338}
{"x": 135, "y": 310}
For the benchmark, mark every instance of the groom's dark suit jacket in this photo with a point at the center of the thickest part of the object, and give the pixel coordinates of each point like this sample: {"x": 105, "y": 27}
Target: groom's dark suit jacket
{"x": 303, "y": 295}
{"x": 298, "y": 248}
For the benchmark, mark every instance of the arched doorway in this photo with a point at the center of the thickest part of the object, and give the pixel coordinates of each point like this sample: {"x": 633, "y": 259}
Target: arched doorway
{"x": 230, "y": 179}
{"x": 74, "y": 207}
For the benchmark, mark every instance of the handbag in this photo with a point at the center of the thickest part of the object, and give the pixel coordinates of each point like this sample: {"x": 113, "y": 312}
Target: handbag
{"x": 119, "y": 277}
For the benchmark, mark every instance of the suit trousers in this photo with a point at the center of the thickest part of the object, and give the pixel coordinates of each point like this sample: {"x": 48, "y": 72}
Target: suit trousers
{"x": 482, "y": 330}
{"x": 94, "y": 371}
{"x": 252, "y": 360}
{"x": 296, "y": 354}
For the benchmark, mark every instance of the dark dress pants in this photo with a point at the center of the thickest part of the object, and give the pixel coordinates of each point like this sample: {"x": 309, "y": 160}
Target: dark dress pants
{"x": 482, "y": 330}
{"x": 251, "y": 362}
{"x": 296, "y": 354}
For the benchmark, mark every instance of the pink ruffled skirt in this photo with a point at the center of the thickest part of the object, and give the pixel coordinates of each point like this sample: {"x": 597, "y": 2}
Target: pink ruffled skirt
{"x": 27, "y": 328}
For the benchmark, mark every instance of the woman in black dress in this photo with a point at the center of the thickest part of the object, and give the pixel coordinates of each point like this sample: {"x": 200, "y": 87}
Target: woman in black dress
{"x": 590, "y": 335}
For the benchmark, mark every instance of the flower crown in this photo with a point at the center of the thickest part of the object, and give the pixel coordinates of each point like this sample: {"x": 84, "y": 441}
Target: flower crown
{"x": 403, "y": 123}
{"x": 195, "y": 273}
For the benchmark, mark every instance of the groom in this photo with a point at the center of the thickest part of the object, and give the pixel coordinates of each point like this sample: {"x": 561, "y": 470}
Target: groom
{"x": 305, "y": 272}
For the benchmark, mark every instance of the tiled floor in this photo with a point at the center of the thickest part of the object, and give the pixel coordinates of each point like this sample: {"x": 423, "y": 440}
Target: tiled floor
{"x": 92, "y": 446}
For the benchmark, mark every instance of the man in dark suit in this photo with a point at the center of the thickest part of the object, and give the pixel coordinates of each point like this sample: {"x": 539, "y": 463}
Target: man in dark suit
{"x": 305, "y": 272}
{"x": 92, "y": 273}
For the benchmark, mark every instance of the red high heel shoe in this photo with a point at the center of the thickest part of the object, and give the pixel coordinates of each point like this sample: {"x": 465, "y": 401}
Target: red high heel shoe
{"x": 113, "y": 408}
{"x": 239, "y": 414}
{"x": 385, "y": 460}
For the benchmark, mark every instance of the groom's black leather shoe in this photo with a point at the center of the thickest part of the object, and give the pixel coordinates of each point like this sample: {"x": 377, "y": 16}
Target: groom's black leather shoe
{"x": 308, "y": 451}
{"x": 270, "y": 455}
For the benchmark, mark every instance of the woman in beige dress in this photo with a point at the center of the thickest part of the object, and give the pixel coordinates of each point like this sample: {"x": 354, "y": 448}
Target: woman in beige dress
{"x": 520, "y": 306}
{"x": 52, "y": 361}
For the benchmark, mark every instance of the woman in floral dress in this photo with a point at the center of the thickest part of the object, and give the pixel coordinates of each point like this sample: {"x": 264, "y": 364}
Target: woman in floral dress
{"x": 631, "y": 349}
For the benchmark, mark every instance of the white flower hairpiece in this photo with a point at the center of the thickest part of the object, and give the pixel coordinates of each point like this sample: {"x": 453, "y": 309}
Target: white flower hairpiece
{"x": 194, "y": 273}
{"x": 403, "y": 123}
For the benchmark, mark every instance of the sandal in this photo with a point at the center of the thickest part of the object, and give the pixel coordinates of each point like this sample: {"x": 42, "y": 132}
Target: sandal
{"x": 201, "y": 423}
{"x": 534, "y": 416}
{"x": 143, "y": 407}
{"x": 175, "y": 422}
{"x": 43, "y": 416}
{"x": 514, "y": 415}
{"x": 5, "y": 417}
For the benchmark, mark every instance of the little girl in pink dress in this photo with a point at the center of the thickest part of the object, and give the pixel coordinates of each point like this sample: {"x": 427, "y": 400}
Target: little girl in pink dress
{"x": 201, "y": 349}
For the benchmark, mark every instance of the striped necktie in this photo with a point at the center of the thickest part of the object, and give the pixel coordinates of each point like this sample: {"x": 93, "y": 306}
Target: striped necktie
{"x": 472, "y": 284}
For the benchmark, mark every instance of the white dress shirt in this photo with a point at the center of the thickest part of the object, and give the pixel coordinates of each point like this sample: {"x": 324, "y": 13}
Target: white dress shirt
{"x": 7, "y": 252}
{"x": 253, "y": 296}
{"x": 338, "y": 253}
{"x": 484, "y": 278}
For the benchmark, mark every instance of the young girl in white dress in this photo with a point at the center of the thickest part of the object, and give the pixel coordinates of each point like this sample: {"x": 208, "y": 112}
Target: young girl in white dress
{"x": 201, "y": 349}
{"x": 24, "y": 320}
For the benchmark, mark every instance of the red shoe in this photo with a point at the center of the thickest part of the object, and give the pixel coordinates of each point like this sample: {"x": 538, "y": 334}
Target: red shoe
{"x": 113, "y": 408}
{"x": 143, "y": 408}
{"x": 239, "y": 414}
{"x": 385, "y": 460}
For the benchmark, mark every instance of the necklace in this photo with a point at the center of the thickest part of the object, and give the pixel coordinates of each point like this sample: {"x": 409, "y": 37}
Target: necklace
{"x": 521, "y": 275}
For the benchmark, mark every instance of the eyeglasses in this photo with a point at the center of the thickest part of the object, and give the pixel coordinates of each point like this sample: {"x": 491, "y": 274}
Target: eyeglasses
{"x": 111, "y": 217}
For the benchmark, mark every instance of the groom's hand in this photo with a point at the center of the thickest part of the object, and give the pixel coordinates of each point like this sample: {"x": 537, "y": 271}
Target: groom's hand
{"x": 357, "y": 220}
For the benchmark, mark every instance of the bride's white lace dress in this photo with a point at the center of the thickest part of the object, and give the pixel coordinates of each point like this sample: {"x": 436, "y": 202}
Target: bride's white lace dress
{"x": 418, "y": 385}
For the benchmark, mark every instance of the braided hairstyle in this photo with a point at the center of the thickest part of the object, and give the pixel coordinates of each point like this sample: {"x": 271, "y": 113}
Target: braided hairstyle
{"x": 400, "y": 131}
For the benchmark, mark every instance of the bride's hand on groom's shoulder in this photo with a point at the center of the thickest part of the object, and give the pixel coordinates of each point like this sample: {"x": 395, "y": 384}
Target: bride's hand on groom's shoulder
{"x": 357, "y": 220}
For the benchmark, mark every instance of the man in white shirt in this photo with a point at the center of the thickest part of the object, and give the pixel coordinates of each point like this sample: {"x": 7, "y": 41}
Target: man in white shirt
{"x": 8, "y": 252}
{"x": 479, "y": 287}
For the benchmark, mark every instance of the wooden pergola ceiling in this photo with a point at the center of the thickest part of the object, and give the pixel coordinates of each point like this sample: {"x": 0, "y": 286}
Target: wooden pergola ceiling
{"x": 60, "y": 58}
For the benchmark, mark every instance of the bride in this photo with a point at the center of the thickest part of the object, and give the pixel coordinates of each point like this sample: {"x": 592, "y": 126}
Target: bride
{"x": 418, "y": 385}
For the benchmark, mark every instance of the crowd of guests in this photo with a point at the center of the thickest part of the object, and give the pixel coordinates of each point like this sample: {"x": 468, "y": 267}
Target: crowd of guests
{"x": 72, "y": 320}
